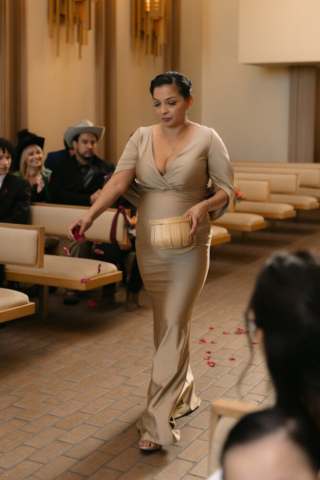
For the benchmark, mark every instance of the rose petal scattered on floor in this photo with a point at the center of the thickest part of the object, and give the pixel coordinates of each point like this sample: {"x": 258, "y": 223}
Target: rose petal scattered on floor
{"x": 98, "y": 252}
{"x": 214, "y": 342}
{"x": 212, "y": 328}
{"x": 97, "y": 243}
{"x": 203, "y": 340}
{"x": 254, "y": 343}
{"x": 226, "y": 333}
{"x": 211, "y": 364}
{"x": 206, "y": 358}
{"x": 85, "y": 280}
{"x": 240, "y": 331}
{"x": 66, "y": 251}
{"x": 99, "y": 268}
{"x": 92, "y": 303}
{"x": 232, "y": 359}
{"x": 208, "y": 351}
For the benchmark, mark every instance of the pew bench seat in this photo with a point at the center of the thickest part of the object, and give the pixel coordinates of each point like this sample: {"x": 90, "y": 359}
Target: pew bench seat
{"x": 65, "y": 272}
{"x": 299, "y": 202}
{"x": 273, "y": 211}
{"x": 219, "y": 235}
{"x": 313, "y": 192}
{"x": 241, "y": 222}
{"x": 14, "y": 305}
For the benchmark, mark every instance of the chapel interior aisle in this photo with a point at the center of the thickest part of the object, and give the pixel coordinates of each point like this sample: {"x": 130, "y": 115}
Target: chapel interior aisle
{"x": 72, "y": 387}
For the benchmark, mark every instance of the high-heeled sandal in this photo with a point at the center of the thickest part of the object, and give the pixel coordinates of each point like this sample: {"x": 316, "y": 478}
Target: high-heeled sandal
{"x": 149, "y": 449}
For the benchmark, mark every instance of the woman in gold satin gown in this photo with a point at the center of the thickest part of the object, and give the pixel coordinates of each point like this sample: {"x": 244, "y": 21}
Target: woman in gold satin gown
{"x": 165, "y": 170}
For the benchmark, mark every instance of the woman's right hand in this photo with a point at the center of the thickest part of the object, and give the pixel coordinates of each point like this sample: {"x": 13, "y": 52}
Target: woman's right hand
{"x": 83, "y": 222}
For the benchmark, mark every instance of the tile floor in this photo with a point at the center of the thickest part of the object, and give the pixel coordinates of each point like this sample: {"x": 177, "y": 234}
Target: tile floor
{"x": 72, "y": 387}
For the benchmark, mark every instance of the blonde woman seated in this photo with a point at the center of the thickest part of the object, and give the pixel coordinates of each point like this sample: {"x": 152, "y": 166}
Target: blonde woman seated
{"x": 29, "y": 165}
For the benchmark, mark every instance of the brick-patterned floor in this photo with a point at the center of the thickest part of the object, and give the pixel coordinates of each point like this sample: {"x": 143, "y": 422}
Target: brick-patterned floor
{"x": 73, "y": 387}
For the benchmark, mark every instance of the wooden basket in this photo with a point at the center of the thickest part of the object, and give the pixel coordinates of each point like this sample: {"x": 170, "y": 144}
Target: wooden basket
{"x": 171, "y": 232}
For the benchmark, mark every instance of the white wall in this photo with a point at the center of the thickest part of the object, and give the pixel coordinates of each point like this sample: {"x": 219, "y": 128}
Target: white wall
{"x": 60, "y": 89}
{"x": 279, "y": 31}
{"x": 248, "y": 106}
{"x": 191, "y": 51}
{"x": 134, "y": 102}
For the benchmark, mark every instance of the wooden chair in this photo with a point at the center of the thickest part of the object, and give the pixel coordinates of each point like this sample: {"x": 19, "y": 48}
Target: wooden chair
{"x": 225, "y": 413}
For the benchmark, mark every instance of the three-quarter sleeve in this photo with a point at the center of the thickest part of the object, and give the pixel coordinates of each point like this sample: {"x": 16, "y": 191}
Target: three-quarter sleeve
{"x": 220, "y": 172}
{"x": 128, "y": 161}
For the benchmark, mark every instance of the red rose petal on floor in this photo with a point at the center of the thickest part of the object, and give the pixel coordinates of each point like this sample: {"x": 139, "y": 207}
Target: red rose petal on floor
{"x": 208, "y": 351}
{"x": 254, "y": 343}
{"x": 92, "y": 303}
{"x": 206, "y": 358}
{"x": 212, "y": 328}
{"x": 211, "y": 364}
{"x": 66, "y": 251}
{"x": 79, "y": 238}
{"x": 215, "y": 343}
{"x": 226, "y": 333}
{"x": 97, "y": 243}
{"x": 98, "y": 252}
{"x": 203, "y": 340}
{"x": 99, "y": 268}
{"x": 85, "y": 280}
{"x": 232, "y": 359}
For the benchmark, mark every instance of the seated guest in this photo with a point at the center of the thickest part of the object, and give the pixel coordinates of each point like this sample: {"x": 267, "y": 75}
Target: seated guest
{"x": 54, "y": 157}
{"x": 114, "y": 253}
{"x": 29, "y": 163}
{"x": 284, "y": 313}
{"x": 271, "y": 445}
{"x": 285, "y": 310}
{"x": 15, "y": 192}
{"x": 78, "y": 180}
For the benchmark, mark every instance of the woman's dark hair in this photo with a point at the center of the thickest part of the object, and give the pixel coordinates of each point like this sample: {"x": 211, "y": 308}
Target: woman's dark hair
{"x": 286, "y": 305}
{"x": 183, "y": 85}
{"x": 7, "y": 145}
{"x": 255, "y": 426}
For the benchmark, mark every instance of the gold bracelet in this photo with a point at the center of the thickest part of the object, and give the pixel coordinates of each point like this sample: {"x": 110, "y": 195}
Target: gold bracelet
{"x": 208, "y": 204}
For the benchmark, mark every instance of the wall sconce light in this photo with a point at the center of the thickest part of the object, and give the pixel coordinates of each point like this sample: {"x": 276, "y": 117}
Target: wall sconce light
{"x": 150, "y": 21}
{"x": 73, "y": 13}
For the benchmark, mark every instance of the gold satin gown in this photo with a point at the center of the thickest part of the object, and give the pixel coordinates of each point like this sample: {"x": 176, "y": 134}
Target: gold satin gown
{"x": 173, "y": 281}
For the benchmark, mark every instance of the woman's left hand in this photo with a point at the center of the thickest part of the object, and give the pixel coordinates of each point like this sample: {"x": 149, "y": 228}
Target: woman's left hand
{"x": 197, "y": 214}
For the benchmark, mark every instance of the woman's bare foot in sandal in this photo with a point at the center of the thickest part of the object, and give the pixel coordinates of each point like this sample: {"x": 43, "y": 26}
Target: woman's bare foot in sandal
{"x": 148, "y": 445}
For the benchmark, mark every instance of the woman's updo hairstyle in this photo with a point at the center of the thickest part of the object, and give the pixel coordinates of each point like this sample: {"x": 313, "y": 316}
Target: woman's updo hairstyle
{"x": 183, "y": 85}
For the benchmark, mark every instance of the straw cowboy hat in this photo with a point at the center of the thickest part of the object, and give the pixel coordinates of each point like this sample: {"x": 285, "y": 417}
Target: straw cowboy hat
{"x": 84, "y": 126}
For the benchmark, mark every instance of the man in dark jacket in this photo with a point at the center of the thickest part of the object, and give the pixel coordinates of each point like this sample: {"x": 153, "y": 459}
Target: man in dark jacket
{"x": 15, "y": 192}
{"x": 78, "y": 180}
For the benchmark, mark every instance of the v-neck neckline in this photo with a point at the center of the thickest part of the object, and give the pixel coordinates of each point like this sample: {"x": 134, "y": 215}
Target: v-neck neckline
{"x": 154, "y": 161}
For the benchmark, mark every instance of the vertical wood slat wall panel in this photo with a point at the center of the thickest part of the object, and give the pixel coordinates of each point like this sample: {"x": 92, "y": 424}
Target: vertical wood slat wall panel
{"x": 13, "y": 68}
{"x": 302, "y": 113}
{"x": 105, "y": 52}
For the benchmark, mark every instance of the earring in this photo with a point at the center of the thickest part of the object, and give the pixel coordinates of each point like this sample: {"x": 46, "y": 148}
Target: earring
{"x": 187, "y": 112}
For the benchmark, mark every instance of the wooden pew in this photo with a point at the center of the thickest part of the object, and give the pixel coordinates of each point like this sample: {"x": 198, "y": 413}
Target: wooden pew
{"x": 21, "y": 245}
{"x": 64, "y": 271}
{"x": 283, "y": 189}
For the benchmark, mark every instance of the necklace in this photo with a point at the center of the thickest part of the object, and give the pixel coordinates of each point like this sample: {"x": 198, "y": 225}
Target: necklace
{"x": 32, "y": 173}
{"x": 173, "y": 149}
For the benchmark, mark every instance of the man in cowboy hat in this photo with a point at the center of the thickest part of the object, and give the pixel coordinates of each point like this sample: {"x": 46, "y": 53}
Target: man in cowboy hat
{"x": 78, "y": 180}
